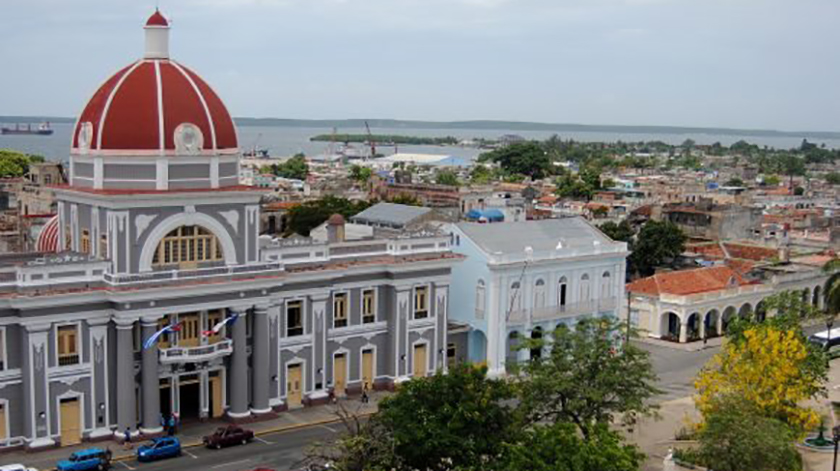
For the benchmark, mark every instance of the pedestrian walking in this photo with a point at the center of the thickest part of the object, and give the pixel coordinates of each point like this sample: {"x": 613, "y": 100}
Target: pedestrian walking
{"x": 177, "y": 420}
{"x": 365, "y": 398}
{"x": 127, "y": 438}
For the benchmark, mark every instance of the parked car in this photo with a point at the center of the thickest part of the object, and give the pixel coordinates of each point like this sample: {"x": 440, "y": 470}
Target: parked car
{"x": 226, "y": 436}
{"x": 85, "y": 460}
{"x": 16, "y": 467}
{"x": 159, "y": 448}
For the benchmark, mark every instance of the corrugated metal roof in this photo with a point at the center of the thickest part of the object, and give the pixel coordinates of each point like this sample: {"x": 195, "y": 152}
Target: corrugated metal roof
{"x": 390, "y": 214}
{"x": 541, "y": 236}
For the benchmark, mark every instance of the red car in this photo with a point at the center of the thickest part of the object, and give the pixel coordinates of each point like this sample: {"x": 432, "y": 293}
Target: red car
{"x": 226, "y": 436}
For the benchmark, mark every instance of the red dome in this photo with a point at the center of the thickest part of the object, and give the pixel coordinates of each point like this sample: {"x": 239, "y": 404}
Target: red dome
{"x": 157, "y": 20}
{"x": 48, "y": 238}
{"x": 139, "y": 109}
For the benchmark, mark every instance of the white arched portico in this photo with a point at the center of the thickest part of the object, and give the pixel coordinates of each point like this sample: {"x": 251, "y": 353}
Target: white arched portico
{"x": 187, "y": 219}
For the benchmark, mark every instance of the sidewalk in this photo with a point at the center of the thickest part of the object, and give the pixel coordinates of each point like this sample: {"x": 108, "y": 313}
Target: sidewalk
{"x": 191, "y": 434}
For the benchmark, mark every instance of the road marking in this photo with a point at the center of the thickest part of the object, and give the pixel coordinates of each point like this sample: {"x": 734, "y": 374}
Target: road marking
{"x": 330, "y": 429}
{"x": 263, "y": 441}
{"x": 187, "y": 452}
{"x": 228, "y": 464}
{"x": 127, "y": 466}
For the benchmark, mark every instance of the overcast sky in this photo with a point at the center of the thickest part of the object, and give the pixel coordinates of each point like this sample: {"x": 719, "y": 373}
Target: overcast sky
{"x": 769, "y": 64}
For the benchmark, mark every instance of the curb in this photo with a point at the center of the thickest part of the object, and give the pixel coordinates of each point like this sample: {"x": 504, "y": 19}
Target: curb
{"x": 285, "y": 428}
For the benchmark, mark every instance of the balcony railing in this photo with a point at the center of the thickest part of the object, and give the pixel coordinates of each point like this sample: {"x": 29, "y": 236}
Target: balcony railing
{"x": 174, "y": 275}
{"x": 561, "y": 312}
{"x": 196, "y": 354}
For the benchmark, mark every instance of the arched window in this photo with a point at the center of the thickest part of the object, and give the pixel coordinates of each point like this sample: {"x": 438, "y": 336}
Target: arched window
{"x": 539, "y": 294}
{"x": 584, "y": 288}
{"x": 480, "y": 299}
{"x": 515, "y": 296}
{"x": 186, "y": 245}
{"x": 561, "y": 291}
{"x": 606, "y": 286}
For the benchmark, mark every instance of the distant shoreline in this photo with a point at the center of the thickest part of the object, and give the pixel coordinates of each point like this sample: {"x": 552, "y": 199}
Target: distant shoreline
{"x": 485, "y": 125}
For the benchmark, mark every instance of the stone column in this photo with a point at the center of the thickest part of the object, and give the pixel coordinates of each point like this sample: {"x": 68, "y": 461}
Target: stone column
{"x": 720, "y": 323}
{"x": 683, "y": 331}
{"x": 151, "y": 382}
{"x": 402, "y": 316}
{"x": 273, "y": 357}
{"x": 238, "y": 375}
{"x": 702, "y": 325}
{"x": 126, "y": 395}
{"x": 260, "y": 372}
{"x": 35, "y": 387}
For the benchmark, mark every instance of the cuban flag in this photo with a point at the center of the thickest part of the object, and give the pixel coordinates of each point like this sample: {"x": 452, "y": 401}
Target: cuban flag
{"x": 151, "y": 341}
{"x": 218, "y": 327}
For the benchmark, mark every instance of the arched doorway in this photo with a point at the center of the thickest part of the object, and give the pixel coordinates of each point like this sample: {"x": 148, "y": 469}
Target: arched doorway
{"x": 761, "y": 311}
{"x": 477, "y": 347}
{"x": 536, "y": 334}
{"x": 728, "y": 314}
{"x": 711, "y": 322}
{"x": 670, "y": 327}
{"x": 746, "y": 311}
{"x": 693, "y": 327}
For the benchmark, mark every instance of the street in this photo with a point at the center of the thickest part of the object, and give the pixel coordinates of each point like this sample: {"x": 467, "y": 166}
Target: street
{"x": 676, "y": 368}
{"x": 280, "y": 451}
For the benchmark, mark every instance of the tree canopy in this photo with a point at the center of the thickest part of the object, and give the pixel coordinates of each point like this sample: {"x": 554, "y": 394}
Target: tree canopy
{"x": 446, "y": 177}
{"x": 773, "y": 369}
{"x": 14, "y": 164}
{"x": 657, "y": 242}
{"x": 311, "y": 214}
{"x": 295, "y": 168}
{"x": 619, "y": 232}
{"x": 584, "y": 380}
{"x": 738, "y": 437}
{"x": 521, "y": 158}
{"x": 360, "y": 174}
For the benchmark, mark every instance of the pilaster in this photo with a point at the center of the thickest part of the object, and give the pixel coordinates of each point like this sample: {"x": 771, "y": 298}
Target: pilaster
{"x": 150, "y": 380}
{"x": 260, "y": 371}
{"x": 35, "y": 388}
{"x": 238, "y": 377}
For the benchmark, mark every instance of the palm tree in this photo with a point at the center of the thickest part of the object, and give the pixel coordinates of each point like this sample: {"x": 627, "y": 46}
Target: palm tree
{"x": 831, "y": 291}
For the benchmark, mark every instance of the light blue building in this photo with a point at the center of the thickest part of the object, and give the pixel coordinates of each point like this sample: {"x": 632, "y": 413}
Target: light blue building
{"x": 529, "y": 277}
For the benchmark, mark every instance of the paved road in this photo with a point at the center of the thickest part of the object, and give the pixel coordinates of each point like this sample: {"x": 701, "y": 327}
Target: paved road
{"x": 279, "y": 451}
{"x": 676, "y": 369}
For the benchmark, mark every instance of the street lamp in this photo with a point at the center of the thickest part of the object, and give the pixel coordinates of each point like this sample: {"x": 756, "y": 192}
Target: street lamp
{"x": 836, "y": 438}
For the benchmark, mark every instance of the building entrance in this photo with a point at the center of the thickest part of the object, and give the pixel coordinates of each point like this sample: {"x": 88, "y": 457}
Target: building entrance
{"x": 190, "y": 397}
{"x": 165, "y": 398}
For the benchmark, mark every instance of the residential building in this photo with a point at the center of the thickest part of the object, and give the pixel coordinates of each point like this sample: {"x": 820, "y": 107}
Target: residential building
{"x": 526, "y": 278}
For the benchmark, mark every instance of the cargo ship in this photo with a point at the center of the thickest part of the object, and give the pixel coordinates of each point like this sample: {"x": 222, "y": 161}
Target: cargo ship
{"x": 43, "y": 129}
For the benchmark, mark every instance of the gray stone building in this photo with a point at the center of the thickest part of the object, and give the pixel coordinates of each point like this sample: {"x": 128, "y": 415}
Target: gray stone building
{"x": 154, "y": 232}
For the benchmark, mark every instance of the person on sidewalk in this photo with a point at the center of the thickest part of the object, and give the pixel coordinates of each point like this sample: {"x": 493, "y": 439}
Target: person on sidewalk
{"x": 177, "y": 421}
{"x": 127, "y": 438}
{"x": 171, "y": 428}
{"x": 365, "y": 398}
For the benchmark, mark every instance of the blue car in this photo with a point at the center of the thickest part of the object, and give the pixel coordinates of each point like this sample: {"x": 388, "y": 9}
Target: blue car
{"x": 159, "y": 448}
{"x": 86, "y": 460}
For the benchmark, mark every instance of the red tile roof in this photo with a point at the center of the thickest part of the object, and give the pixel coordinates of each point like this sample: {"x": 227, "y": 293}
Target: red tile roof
{"x": 700, "y": 280}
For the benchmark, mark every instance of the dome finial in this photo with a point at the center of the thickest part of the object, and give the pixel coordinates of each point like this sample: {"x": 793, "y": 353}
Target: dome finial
{"x": 157, "y": 36}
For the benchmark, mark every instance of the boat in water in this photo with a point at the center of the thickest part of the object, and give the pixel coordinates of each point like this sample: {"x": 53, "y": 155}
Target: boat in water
{"x": 42, "y": 129}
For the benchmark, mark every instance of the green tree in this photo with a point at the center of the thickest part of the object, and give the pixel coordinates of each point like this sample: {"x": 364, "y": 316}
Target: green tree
{"x": 772, "y": 180}
{"x": 360, "y": 174}
{"x": 559, "y": 447}
{"x": 584, "y": 380}
{"x": 656, "y": 243}
{"x": 480, "y": 174}
{"x": 14, "y": 164}
{"x": 831, "y": 290}
{"x": 833, "y": 178}
{"x": 448, "y": 420}
{"x": 621, "y": 232}
{"x": 447, "y": 177}
{"x": 295, "y": 168}
{"x": 311, "y": 214}
{"x": 522, "y": 158}
{"x": 735, "y": 181}
{"x": 736, "y": 436}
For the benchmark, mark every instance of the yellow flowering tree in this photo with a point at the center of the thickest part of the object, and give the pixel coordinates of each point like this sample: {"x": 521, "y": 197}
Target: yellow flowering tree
{"x": 774, "y": 369}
